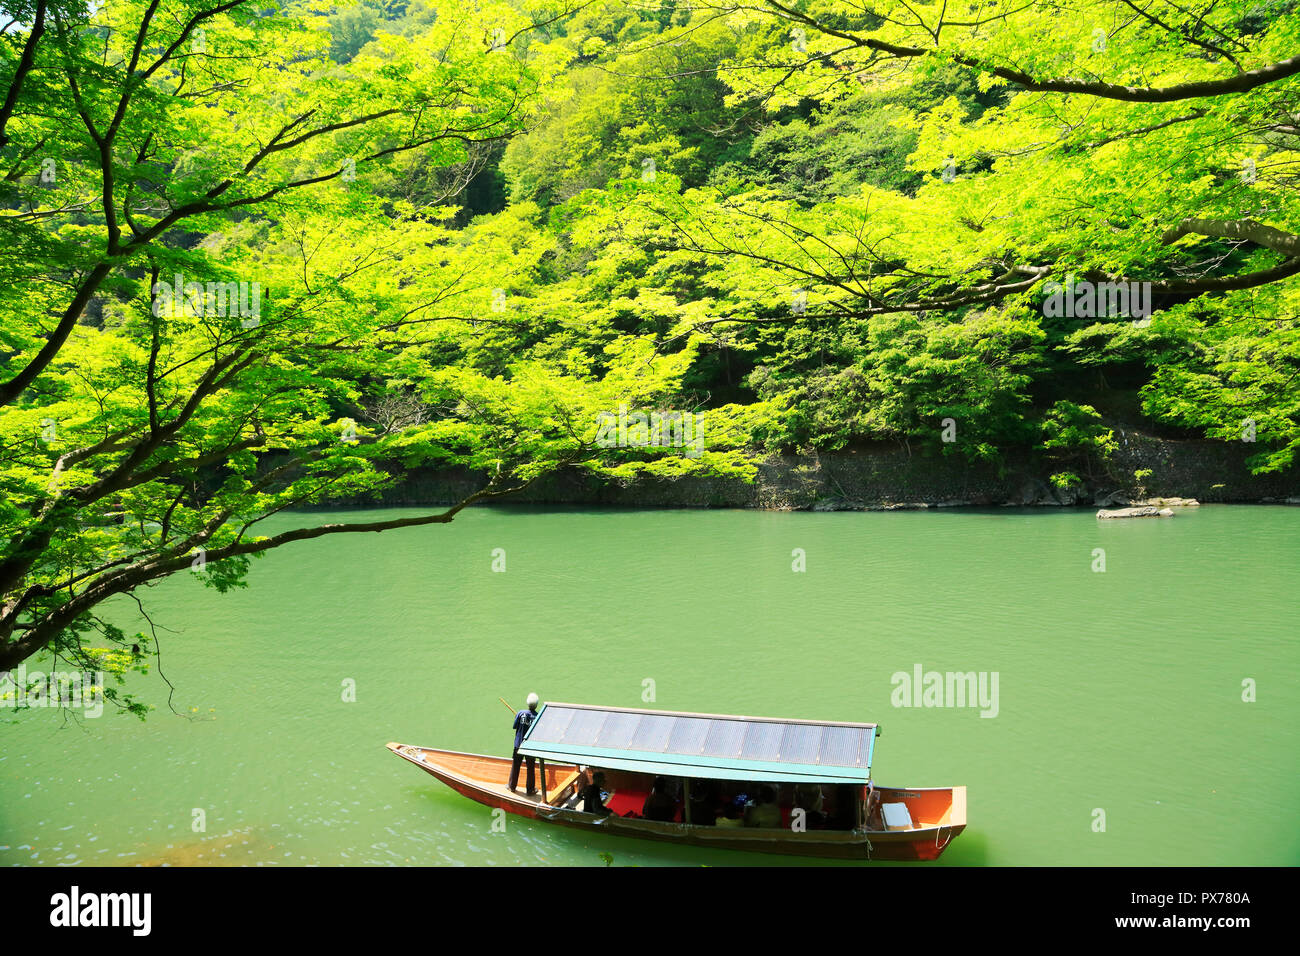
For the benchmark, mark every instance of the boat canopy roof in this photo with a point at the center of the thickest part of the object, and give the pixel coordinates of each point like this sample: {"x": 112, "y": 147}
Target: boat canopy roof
{"x": 708, "y": 746}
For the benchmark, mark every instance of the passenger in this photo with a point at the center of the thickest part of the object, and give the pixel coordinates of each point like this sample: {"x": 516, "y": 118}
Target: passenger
{"x": 659, "y": 803}
{"x": 523, "y": 720}
{"x": 809, "y": 798}
{"x": 704, "y": 803}
{"x": 732, "y": 814}
{"x": 593, "y": 796}
{"x": 764, "y": 812}
{"x": 875, "y": 821}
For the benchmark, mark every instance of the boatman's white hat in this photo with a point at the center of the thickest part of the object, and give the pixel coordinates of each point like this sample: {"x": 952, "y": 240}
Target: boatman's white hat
{"x": 533, "y": 700}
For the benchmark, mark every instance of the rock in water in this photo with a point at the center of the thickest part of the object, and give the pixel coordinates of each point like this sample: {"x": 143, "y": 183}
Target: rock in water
{"x": 1148, "y": 512}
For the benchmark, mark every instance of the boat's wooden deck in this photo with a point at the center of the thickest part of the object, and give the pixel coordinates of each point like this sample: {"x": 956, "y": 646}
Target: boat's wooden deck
{"x": 493, "y": 773}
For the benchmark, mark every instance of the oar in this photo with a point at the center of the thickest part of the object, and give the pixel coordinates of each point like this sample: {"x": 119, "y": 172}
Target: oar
{"x": 508, "y": 707}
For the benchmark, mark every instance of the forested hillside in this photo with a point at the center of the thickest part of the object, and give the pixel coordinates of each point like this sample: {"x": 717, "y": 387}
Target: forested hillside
{"x": 844, "y": 224}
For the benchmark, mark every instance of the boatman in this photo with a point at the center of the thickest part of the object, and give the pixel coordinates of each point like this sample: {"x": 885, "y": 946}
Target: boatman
{"x": 523, "y": 720}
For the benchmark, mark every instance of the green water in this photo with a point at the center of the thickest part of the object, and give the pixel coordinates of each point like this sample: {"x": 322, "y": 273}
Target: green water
{"x": 1119, "y": 691}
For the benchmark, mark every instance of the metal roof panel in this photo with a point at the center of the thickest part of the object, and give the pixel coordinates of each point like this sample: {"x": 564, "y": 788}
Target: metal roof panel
{"x": 703, "y": 745}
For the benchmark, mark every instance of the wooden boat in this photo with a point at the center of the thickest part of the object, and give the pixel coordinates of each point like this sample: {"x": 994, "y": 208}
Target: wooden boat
{"x": 866, "y": 821}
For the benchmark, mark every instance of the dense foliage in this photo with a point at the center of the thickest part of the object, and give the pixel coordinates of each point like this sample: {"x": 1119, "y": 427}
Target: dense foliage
{"x": 860, "y": 215}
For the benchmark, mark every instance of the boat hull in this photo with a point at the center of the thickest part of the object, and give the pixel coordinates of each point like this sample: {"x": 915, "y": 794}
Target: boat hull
{"x": 482, "y": 778}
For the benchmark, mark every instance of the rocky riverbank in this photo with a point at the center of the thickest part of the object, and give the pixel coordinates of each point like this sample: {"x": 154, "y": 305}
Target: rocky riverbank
{"x": 889, "y": 476}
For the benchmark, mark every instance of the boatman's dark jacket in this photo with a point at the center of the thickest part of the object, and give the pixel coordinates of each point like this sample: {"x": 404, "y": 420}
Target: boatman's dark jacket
{"x": 523, "y": 720}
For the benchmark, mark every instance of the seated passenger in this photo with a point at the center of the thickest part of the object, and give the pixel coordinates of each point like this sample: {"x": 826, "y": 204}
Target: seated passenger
{"x": 704, "y": 803}
{"x": 593, "y": 796}
{"x": 764, "y": 812}
{"x": 809, "y": 798}
{"x": 732, "y": 816}
{"x": 875, "y": 821}
{"x": 659, "y": 803}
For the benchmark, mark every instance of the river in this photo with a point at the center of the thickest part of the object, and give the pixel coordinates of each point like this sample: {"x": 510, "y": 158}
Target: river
{"x": 1119, "y": 733}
